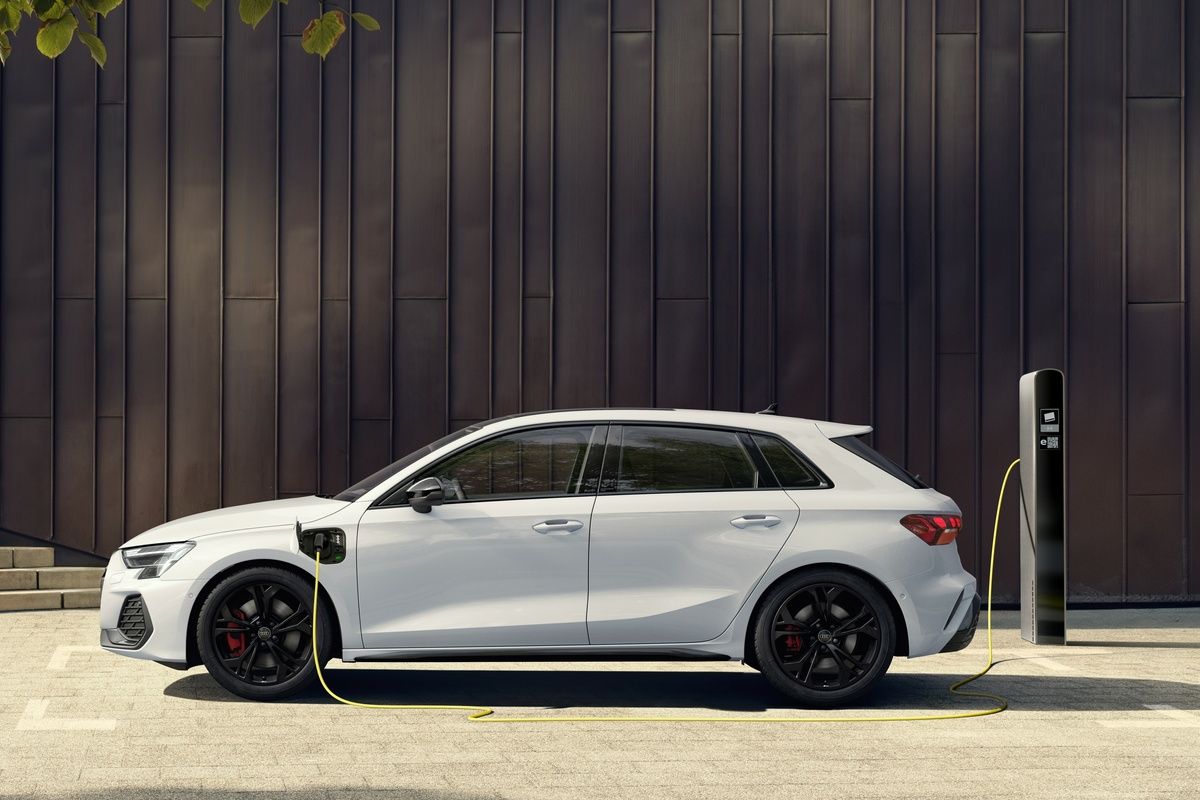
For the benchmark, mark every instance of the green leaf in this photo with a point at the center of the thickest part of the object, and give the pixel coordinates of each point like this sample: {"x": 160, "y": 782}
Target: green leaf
{"x": 321, "y": 34}
{"x": 365, "y": 20}
{"x": 252, "y": 11}
{"x": 54, "y": 37}
{"x": 14, "y": 18}
{"x": 5, "y": 48}
{"x": 104, "y": 7}
{"x": 49, "y": 10}
{"x": 202, "y": 4}
{"x": 95, "y": 46}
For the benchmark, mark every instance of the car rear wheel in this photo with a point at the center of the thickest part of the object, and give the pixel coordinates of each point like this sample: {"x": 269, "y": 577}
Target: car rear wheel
{"x": 824, "y": 638}
{"x": 254, "y": 633}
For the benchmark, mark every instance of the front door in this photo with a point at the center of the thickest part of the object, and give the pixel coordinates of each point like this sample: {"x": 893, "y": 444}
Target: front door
{"x": 686, "y": 522}
{"x": 502, "y": 563}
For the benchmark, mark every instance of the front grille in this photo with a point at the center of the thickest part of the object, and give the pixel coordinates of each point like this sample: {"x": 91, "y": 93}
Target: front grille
{"x": 133, "y": 624}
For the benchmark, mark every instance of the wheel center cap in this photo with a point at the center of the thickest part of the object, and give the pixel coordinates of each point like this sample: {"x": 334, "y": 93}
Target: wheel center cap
{"x": 824, "y": 637}
{"x": 264, "y": 633}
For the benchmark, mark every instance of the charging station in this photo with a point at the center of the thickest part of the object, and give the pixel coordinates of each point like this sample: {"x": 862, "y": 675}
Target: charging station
{"x": 1043, "y": 507}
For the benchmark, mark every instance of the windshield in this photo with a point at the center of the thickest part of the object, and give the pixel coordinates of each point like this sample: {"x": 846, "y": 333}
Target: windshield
{"x": 374, "y": 479}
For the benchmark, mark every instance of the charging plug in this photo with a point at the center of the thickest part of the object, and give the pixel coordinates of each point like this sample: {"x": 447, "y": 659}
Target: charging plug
{"x": 319, "y": 544}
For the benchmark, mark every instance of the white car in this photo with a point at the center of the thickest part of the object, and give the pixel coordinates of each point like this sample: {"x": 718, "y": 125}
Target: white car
{"x": 605, "y": 533}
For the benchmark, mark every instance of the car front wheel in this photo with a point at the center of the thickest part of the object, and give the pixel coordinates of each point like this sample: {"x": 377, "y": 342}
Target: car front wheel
{"x": 824, "y": 637}
{"x": 254, "y": 633}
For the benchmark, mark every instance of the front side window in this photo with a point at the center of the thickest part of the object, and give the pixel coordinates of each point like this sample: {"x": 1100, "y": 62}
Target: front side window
{"x": 668, "y": 459}
{"x": 535, "y": 463}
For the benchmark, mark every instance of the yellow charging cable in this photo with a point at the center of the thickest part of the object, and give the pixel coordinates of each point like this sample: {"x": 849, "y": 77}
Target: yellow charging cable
{"x": 485, "y": 714}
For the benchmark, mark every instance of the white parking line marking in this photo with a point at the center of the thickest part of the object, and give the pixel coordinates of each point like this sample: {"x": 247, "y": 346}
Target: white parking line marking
{"x": 34, "y": 719}
{"x": 1178, "y": 718}
{"x": 62, "y": 653}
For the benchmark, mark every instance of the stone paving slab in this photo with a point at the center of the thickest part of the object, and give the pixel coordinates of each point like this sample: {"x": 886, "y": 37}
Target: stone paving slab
{"x": 1115, "y": 714}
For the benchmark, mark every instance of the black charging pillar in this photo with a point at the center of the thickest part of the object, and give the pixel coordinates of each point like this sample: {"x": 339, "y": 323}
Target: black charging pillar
{"x": 1043, "y": 508}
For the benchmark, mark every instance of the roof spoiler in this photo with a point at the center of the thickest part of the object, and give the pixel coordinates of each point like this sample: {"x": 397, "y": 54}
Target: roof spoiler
{"x": 833, "y": 430}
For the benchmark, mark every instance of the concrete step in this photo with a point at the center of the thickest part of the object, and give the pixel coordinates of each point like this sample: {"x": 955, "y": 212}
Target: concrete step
{"x": 37, "y": 600}
{"x": 26, "y": 557}
{"x": 69, "y": 577}
{"x": 81, "y": 598}
{"x": 13, "y": 580}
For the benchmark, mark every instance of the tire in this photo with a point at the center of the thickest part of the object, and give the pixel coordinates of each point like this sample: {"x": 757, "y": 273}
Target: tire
{"x": 240, "y": 656}
{"x": 824, "y": 638}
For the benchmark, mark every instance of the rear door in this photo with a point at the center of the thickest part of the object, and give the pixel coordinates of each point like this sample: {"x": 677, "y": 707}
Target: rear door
{"x": 687, "y": 521}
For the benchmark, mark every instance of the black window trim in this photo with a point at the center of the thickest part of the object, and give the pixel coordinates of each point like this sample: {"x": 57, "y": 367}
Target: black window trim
{"x": 744, "y": 434}
{"x": 382, "y": 501}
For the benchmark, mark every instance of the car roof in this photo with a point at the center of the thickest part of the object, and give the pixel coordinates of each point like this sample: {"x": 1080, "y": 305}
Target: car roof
{"x": 731, "y": 419}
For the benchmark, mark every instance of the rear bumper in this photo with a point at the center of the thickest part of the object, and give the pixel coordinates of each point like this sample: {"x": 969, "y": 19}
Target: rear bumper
{"x": 966, "y": 630}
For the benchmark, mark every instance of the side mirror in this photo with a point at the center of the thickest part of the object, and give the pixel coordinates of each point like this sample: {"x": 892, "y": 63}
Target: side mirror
{"x": 425, "y": 494}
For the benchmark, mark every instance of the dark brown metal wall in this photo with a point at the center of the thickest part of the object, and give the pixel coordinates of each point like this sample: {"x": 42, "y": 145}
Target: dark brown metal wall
{"x": 231, "y": 272}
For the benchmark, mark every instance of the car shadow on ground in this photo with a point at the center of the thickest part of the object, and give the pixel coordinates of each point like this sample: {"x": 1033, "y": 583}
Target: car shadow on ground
{"x": 616, "y": 692}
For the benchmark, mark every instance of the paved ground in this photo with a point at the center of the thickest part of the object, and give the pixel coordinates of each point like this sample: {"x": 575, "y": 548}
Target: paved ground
{"x": 1116, "y": 715}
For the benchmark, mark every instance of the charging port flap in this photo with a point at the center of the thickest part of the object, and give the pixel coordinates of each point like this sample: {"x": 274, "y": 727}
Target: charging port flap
{"x": 329, "y": 542}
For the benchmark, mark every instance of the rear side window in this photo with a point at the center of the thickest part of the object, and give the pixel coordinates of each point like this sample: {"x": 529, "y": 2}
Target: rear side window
{"x": 791, "y": 472}
{"x": 867, "y": 453}
{"x": 666, "y": 459}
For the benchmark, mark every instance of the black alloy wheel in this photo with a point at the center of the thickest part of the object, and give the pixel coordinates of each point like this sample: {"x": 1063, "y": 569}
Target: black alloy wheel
{"x": 824, "y": 638}
{"x": 254, "y": 633}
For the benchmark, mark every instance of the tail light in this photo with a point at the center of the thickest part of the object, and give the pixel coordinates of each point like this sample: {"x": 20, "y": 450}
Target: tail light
{"x": 934, "y": 528}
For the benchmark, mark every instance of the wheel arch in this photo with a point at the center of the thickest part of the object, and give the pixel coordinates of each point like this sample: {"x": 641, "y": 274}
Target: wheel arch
{"x": 897, "y": 615}
{"x": 193, "y": 651}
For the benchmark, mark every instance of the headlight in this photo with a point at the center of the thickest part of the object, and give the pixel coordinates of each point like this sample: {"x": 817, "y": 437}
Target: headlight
{"x": 155, "y": 559}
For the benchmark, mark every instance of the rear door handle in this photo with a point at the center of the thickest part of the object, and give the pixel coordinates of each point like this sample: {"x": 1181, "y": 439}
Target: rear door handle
{"x": 558, "y": 526}
{"x": 755, "y": 521}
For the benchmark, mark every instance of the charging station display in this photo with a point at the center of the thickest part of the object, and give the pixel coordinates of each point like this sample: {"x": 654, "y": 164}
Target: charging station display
{"x": 1043, "y": 507}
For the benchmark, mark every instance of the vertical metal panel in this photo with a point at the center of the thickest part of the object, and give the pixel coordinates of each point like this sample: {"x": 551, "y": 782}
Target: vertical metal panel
{"x": 194, "y": 333}
{"x": 470, "y": 211}
{"x": 1152, "y": 201}
{"x": 631, "y": 379}
{"x": 420, "y": 382}
{"x": 335, "y": 270}
{"x": 422, "y": 88}
{"x": 1044, "y": 197}
{"x": 251, "y": 118}
{"x": 1153, "y": 48}
{"x": 918, "y": 233}
{"x": 26, "y": 453}
{"x": 757, "y": 353}
{"x": 632, "y": 15}
{"x": 1095, "y": 488}
{"x": 146, "y": 127}
{"x": 506, "y": 227}
{"x": 954, "y": 193}
{"x": 111, "y": 80}
{"x": 682, "y": 353}
{"x": 508, "y": 16}
{"x": 27, "y": 247}
{"x": 187, "y": 20}
{"x": 299, "y": 269}
{"x": 725, "y": 214}
{"x": 74, "y": 146}
{"x": 726, "y": 17}
{"x": 145, "y": 415}
{"x": 681, "y": 140}
{"x": 1191, "y": 206}
{"x": 850, "y": 39}
{"x": 74, "y": 422}
{"x": 371, "y": 171}
{"x": 1045, "y": 15}
{"x": 248, "y": 411}
{"x": 798, "y": 225}
{"x": 956, "y": 16}
{"x": 1000, "y": 231}
{"x": 1155, "y": 569}
{"x": 798, "y": 16}
{"x": 110, "y": 484}
{"x": 850, "y": 259}
{"x": 888, "y": 228}
{"x": 1154, "y": 386}
{"x": 537, "y": 218}
{"x": 580, "y": 203}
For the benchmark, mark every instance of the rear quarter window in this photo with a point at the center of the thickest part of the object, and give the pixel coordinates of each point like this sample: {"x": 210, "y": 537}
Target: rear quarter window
{"x": 864, "y": 451}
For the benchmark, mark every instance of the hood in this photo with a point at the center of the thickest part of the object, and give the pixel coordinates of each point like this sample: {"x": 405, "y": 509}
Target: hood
{"x": 234, "y": 518}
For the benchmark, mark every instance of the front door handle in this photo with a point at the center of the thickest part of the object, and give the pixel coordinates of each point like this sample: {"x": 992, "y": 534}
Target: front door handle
{"x": 755, "y": 521}
{"x": 558, "y": 526}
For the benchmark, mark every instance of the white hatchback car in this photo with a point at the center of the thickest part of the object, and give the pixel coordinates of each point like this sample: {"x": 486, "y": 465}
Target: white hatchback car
{"x": 602, "y": 533}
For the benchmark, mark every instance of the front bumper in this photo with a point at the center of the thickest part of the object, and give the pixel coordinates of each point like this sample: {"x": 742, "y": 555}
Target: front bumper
{"x": 966, "y": 629}
{"x": 165, "y": 607}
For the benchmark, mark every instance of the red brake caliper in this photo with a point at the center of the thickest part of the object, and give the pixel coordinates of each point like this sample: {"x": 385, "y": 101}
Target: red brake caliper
{"x": 236, "y": 641}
